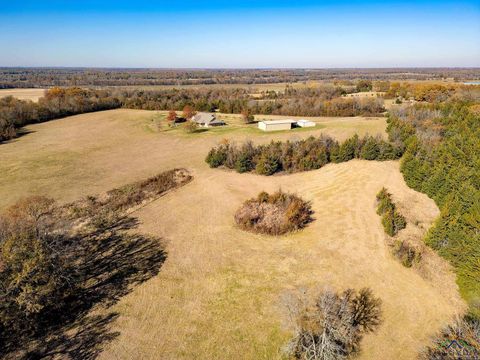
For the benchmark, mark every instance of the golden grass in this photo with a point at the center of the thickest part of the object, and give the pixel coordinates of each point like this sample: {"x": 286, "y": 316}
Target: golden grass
{"x": 23, "y": 94}
{"x": 218, "y": 294}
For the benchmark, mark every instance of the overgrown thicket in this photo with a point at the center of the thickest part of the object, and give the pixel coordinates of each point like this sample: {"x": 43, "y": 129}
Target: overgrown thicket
{"x": 332, "y": 326}
{"x": 392, "y": 220}
{"x": 301, "y": 155}
{"x": 442, "y": 159}
{"x": 58, "y": 262}
{"x": 55, "y": 104}
{"x": 460, "y": 340}
{"x": 274, "y": 214}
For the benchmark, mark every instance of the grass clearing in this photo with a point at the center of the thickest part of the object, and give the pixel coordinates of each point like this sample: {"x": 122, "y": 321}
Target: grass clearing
{"x": 23, "y": 94}
{"x": 218, "y": 294}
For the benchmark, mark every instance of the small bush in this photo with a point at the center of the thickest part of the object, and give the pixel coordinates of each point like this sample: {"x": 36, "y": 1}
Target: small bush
{"x": 406, "y": 253}
{"x": 392, "y": 220}
{"x": 274, "y": 214}
{"x": 190, "y": 127}
{"x": 217, "y": 156}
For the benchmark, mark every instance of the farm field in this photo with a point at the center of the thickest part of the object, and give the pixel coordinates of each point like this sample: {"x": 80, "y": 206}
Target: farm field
{"x": 23, "y": 94}
{"x": 219, "y": 294}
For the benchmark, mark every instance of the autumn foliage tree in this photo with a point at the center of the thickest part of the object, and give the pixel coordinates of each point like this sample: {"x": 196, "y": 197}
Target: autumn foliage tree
{"x": 172, "y": 117}
{"x": 188, "y": 112}
{"x": 247, "y": 116}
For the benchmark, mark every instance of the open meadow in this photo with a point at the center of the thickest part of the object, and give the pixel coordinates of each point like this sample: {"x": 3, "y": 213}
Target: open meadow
{"x": 219, "y": 293}
{"x": 23, "y": 94}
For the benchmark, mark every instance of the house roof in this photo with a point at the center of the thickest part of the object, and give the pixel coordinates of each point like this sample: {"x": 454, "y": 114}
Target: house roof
{"x": 272, "y": 122}
{"x": 204, "y": 118}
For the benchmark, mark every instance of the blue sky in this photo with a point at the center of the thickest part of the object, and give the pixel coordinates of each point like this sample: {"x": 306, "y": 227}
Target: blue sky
{"x": 245, "y": 34}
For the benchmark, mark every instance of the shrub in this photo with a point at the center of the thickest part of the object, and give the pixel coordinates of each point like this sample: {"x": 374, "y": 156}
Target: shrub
{"x": 392, "y": 220}
{"x": 245, "y": 160}
{"x": 269, "y": 162}
{"x": 217, "y": 156}
{"x": 406, "y": 253}
{"x": 274, "y": 214}
{"x": 333, "y": 326}
{"x": 190, "y": 127}
{"x": 370, "y": 149}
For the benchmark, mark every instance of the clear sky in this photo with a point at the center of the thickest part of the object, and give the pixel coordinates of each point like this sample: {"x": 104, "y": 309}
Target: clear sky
{"x": 239, "y": 34}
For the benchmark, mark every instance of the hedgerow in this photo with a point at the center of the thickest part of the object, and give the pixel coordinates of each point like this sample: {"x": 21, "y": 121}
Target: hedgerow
{"x": 301, "y": 155}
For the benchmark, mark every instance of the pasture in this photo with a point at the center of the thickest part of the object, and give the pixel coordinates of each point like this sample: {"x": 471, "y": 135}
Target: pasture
{"x": 23, "y": 94}
{"x": 219, "y": 294}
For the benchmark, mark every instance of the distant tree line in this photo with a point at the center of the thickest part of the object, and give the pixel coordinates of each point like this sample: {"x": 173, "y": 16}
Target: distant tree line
{"x": 301, "y": 155}
{"x": 49, "y": 77}
{"x": 442, "y": 159}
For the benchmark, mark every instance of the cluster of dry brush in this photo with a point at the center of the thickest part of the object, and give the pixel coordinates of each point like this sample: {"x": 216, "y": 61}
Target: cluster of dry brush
{"x": 274, "y": 214}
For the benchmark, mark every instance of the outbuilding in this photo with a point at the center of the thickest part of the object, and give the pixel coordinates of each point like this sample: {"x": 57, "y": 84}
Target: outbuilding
{"x": 305, "y": 123}
{"x": 275, "y": 125}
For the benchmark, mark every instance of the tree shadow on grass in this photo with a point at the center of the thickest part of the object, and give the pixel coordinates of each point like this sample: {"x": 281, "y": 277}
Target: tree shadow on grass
{"x": 108, "y": 264}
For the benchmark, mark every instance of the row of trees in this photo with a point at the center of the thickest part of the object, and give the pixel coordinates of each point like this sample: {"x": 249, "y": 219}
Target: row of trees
{"x": 442, "y": 159}
{"x": 301, "y": 155}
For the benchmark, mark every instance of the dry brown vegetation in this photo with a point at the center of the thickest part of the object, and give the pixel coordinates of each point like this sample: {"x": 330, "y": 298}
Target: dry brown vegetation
{"x": 217, "y": 295}
{"x": 274, "y": 214}
{"x": 60, "y": 263}
{"x": 331, "y": 326}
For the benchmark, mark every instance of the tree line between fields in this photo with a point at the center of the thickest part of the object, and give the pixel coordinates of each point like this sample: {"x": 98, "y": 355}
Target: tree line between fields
{"x": 301, "y": 155}
{"x": 319, "y": 101}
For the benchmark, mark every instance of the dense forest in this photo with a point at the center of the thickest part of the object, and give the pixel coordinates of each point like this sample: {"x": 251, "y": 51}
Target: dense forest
{"x": 49, "y": 77}
{"x": 442, "y": 159}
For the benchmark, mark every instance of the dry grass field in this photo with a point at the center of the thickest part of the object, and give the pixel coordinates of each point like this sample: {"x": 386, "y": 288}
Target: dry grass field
{"x": 219, "y": 294}
{"x": 23, "y": 94}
